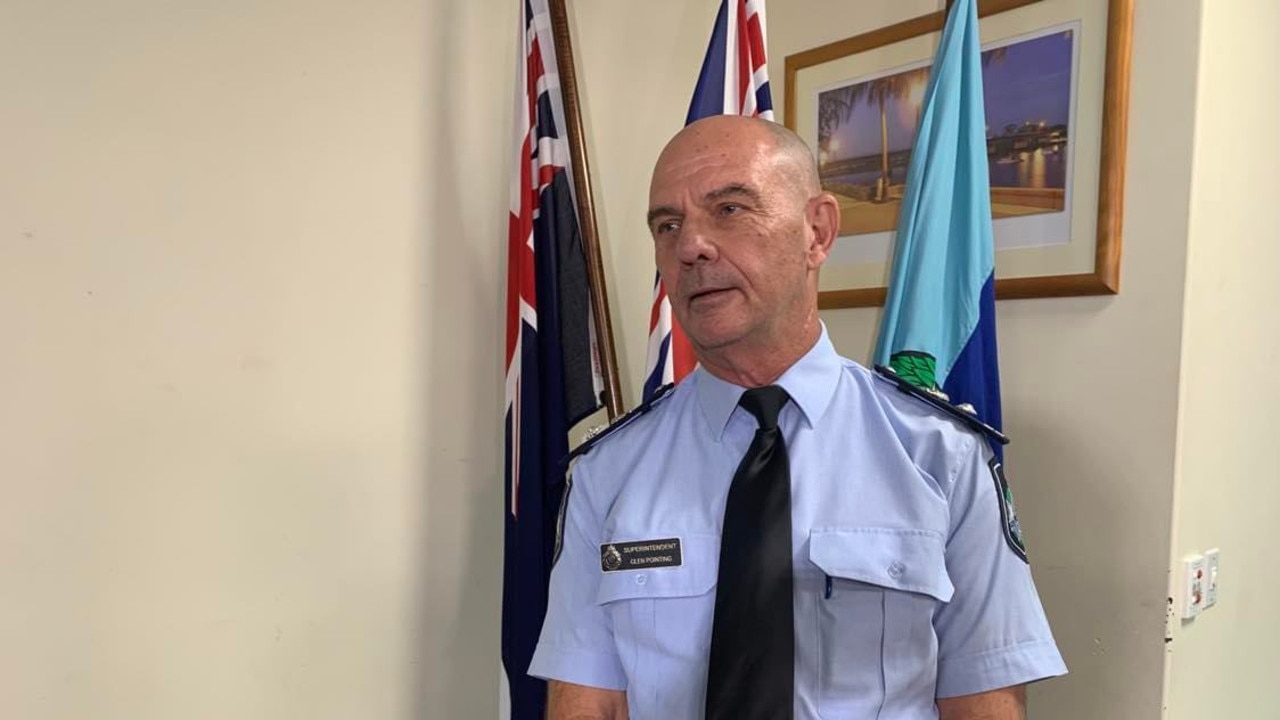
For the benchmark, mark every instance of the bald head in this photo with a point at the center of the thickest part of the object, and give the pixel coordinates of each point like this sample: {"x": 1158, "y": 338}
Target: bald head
{"x": 790, "y": 157}
{"x": 796, "y": 153}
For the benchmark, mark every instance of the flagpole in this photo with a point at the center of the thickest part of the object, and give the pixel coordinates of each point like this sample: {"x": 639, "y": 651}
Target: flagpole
{"x": 587, "y": 210}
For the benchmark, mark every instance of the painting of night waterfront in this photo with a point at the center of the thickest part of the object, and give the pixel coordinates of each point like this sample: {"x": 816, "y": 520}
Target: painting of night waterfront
{"x": 866, "y": 129}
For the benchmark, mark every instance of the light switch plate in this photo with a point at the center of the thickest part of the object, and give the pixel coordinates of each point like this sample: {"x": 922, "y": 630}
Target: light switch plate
{"x": 1192, "y": 586}
{"x": 1211, "y": 578}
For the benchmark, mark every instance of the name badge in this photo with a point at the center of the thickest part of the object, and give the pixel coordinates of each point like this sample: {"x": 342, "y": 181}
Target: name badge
{"x": 640, "y": 555}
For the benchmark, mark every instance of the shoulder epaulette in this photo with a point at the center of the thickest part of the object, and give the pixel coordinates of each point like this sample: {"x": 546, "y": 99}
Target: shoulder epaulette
{"x": 963, "y": 413}
{"x": 594, "y": 438}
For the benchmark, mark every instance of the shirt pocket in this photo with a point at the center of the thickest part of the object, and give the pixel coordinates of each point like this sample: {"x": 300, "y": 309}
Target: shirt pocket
{"x": 663, "y": 613}
{"x": 875, "y": 616}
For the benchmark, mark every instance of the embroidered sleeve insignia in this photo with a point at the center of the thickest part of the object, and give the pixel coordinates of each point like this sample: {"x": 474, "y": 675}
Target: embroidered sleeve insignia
{"x": 1008, "y": 513}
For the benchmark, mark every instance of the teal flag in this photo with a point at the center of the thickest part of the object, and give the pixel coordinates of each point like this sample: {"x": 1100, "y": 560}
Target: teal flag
{"x": 938, "y": 328}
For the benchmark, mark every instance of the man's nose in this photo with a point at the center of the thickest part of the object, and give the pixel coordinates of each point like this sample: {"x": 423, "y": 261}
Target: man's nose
{"x": 696, "y": 243}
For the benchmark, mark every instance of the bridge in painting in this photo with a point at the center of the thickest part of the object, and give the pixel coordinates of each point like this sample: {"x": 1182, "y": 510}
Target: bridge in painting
{"x": 999, "y": 146}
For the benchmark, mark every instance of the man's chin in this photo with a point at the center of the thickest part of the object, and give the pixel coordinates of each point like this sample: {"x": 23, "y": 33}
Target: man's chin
{"x": 712, "y": 336}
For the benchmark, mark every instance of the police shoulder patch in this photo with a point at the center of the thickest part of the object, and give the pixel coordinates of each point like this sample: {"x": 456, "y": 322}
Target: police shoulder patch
{"x": 1010, "y": 526}
{"x": 564, "y": 508}
{"x": 939, "y": 401}
{"x": 596, "y": 437}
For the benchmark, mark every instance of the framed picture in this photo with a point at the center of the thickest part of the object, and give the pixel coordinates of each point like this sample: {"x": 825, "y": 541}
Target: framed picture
{"x": 1056, "y": 87}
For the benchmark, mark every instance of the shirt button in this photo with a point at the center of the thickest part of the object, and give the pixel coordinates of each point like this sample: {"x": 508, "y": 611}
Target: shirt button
{"x": 896, "y": 570}
{"x": 640, "y": 579}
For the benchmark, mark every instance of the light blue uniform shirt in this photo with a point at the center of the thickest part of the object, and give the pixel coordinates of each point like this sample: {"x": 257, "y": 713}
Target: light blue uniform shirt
{"x": 905, "y": 586}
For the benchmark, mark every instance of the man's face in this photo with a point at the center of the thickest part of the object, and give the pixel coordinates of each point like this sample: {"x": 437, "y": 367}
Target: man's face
{"x": 730, "y": 239}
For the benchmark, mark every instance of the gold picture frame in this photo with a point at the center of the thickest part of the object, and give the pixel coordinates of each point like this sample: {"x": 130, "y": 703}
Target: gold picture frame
{"x": 1084, "y": 261}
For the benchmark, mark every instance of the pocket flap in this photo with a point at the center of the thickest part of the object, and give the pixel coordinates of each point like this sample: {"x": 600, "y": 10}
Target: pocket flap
{"x": 908, "y": 560}
{"x": 696, "y": 574}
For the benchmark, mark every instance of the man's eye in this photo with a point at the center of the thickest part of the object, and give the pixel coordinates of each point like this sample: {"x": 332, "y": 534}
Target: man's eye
{"x": 730, "y": 209}
{"x": 666, "y": 227}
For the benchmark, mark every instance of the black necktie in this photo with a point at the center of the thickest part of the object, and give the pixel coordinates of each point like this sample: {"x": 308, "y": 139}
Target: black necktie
{"x": 752, "y": 672}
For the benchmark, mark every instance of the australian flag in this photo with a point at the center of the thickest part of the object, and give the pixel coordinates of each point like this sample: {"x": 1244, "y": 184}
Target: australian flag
{"x": 734, "y": 81}
{"x": 552, "y": 379}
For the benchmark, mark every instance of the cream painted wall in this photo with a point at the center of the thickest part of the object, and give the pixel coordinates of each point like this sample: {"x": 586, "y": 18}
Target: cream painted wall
{"x": 250, "y": 357}
{"x": 1090, "y": 384}
{"x": 1224, "y": 663}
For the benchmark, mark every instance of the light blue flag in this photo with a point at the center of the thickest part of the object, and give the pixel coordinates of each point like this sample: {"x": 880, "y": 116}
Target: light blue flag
{"x": 938, "y": 328}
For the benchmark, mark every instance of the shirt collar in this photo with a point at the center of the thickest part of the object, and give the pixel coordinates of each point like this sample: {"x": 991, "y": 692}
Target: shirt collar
{"x": 811, "y": 383}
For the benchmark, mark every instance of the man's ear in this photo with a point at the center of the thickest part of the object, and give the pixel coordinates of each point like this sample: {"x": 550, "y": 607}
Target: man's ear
{"x": 822, "y": 215}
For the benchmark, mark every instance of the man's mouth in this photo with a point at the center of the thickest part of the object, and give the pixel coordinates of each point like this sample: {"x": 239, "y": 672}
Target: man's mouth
{"x": 709, "y": 294}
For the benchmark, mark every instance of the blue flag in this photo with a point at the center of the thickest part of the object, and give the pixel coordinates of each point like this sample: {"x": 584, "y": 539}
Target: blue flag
{"x": 938, "y": 330}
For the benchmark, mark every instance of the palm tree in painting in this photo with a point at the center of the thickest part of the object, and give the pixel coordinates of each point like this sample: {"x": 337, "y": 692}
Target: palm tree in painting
{"x": 882, "y": 91}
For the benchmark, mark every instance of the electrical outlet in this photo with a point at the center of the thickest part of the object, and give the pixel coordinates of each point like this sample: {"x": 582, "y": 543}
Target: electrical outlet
{"x": 1192, "y": 586}
{"x": 1211, "y": 578}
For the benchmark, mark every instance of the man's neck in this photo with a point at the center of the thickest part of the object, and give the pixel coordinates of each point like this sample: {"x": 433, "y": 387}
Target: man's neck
{"x": 751, "y": 367}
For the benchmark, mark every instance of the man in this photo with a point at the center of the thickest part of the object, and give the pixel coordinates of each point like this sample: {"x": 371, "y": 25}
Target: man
{"x": 784, "y": 534}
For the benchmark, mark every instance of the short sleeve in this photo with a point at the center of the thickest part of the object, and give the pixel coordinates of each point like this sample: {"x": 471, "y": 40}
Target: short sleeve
{"x": 577, "y": 644}
{"x": 993, "y": 633}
